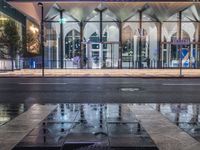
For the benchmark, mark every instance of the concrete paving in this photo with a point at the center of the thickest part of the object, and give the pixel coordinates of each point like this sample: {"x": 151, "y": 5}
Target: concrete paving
{"x": 102, "y": 73}
{"x": 14, "y": 131}
{"x": 166, "y": 135}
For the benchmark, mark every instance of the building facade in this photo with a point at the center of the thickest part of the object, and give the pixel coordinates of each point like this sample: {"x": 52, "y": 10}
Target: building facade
{"x": 25, "y": 24}
{"x": 7, "y": 12}
{"x": 118, "y": 34}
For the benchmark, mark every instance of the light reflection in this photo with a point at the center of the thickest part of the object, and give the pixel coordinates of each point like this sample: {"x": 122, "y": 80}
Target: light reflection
{"x": 185, "y": 116}
{"x": 9, "y": 111}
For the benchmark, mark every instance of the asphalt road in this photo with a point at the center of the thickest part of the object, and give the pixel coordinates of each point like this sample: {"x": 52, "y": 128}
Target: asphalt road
{"x": 99, "y": 90}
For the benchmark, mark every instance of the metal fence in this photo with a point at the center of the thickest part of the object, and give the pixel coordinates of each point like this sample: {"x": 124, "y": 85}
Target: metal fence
{"x": 27, "y": 63}
{"x": 5, "y": 64}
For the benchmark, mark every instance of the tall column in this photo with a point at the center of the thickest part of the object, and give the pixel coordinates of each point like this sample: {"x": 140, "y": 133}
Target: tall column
{"x": 42, "y": 40}
{"x": 81, "y": 46}
{"x": 42, "y": 36}
{"x": 101, "y": 26}
{"x": 179, "y": 25}
{"x": 101, "y": 40}
{"x": 140, "y": 39}
{"x": 61, "y": 40}
{"x": 120, "y": 46}
{"x": 198, "y": 47}
{"x": 179, "y": 36}
{"x": 57, "y": 51}
{"x": 195, "y": 57}
{"x": 159, "y": 46}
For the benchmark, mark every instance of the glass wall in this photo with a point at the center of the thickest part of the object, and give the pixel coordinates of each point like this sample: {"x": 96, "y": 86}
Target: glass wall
{"x": 142, "y": 40}
{"x": 178, "y": 54}
{"x": 33, "y": 38}
{"x": 93, "y": 48}
{"x": 130, "y": 44}
{"x": 170, "y": 55}
{"x": 3, "y": 19}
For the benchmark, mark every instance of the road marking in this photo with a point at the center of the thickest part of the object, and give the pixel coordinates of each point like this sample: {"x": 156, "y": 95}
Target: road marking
{"x": 129, "y": 89}
{"x": 181, "y": 84}
{"x": 39, "y": 83}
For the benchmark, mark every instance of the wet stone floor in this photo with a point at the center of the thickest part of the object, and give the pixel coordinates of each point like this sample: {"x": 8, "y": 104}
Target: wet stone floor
{"x": 89, "y": 126}
{"x": 185, "y": 116}
{"x": 99, "y": 126}
{"x": 10, "y": 111}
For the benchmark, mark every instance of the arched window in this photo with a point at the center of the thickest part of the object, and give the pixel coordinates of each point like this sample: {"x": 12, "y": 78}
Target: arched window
{"x": 174, "y": 50}
{"x": 94, "y": 38}
{"x": 72, "y": 44}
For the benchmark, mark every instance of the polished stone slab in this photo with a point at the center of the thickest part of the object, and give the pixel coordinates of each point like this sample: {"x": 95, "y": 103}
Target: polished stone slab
{"x": 165, "y": 134}
{"x": 70, "y": 126}
{"x": 15, "y": 130}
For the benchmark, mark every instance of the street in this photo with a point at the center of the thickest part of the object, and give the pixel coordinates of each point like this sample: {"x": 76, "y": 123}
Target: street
{"x": 99, "y": 90}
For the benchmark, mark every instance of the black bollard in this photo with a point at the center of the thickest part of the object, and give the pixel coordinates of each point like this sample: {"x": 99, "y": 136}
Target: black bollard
{"x": 101, "y": 116}
{"x": 82, "y": 114}
{"x": 120, "y": 112}
{"x": 138, "y": 127}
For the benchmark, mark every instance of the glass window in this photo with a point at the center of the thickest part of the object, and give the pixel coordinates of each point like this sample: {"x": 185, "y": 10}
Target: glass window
{"x": 3, "y": 19}
{"x": 72, "y": 44}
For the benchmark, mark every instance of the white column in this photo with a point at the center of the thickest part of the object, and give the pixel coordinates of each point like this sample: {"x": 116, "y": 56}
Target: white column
{"x": 191, "y": 55}
{"x": 57, "y": 52}
{"x": 86, "y": 54}
{"x": 100, "y": 55}
{"x": 49, "y": 48}
{"x": 90, "y": 55}
{"x": 135, "y": 51}
{"x": 168, "y": 55}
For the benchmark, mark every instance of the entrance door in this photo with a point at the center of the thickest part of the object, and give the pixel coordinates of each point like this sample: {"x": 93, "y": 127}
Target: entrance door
{"x": 101, "y": 55}
{"x": 110, "y": 54}
{"x": 93, "y": 55}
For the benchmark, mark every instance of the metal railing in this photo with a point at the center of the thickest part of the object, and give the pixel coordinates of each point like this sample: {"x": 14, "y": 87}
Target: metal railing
{"x": 26, "y": 63}
{"x": 6, "y": 65}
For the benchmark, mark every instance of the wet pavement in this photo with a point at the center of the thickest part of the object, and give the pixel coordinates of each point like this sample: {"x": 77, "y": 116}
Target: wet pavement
{"x": 10, "y": 111}
{"x": 185, "y": 116}
{"x": 165, "y": 134}
{"x": 12, "y": 132}
{"x": 103, "y": 126}
{"x": 107, "y": 126}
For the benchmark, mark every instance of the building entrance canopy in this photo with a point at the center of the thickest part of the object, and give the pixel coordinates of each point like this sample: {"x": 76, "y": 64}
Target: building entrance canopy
{"x": 159, "y": 11}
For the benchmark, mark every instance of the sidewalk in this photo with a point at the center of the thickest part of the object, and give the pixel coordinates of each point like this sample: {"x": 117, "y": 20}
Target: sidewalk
{"x": 102, "y": 73}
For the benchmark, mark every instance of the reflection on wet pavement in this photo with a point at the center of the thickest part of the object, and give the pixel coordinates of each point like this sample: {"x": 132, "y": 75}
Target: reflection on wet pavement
{"x": 185, "y": 116}
{"x": 99, "y": 126}
{"x": 90, "y": 126}
{"x": 10, "y": 111}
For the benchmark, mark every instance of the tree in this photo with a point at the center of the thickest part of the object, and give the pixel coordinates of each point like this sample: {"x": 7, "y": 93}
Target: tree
{"x": 11, "y": 38}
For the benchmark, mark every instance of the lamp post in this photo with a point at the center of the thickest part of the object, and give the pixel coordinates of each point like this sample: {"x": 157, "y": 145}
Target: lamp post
{"x": 42, "y": 35}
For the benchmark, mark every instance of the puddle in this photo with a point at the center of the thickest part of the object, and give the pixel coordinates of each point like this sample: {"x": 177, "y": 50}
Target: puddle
{"x": 89, "y": 126}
